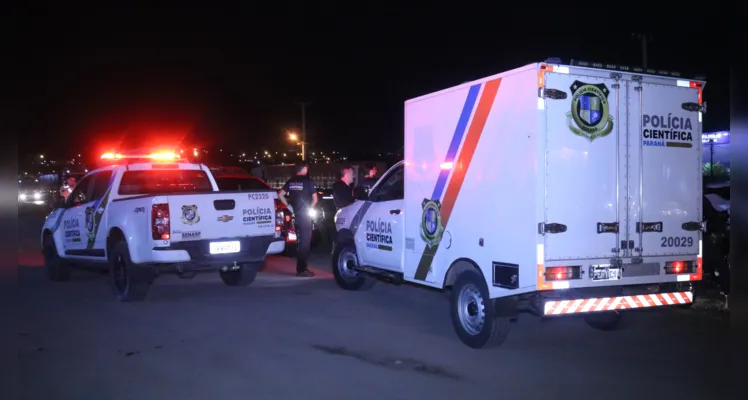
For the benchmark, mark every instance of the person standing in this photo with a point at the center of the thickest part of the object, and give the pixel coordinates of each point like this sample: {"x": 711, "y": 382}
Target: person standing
{"x": 342, "y": 195}
{"x": 302, "y": 195}
{"x": 67, "y": 188}
{"x": 342, "y": 190}
{"x": 370, "y": 179}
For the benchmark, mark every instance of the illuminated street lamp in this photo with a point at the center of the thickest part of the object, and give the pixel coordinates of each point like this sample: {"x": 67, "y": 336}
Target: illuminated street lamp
{"x": 295, "y": 138}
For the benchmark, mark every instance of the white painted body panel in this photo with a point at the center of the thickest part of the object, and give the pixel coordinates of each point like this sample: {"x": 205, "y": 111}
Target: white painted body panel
{"x": 526, "y": 167}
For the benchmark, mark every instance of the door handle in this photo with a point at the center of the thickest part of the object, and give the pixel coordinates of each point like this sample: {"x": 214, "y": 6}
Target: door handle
{"x": 394, "y": 212}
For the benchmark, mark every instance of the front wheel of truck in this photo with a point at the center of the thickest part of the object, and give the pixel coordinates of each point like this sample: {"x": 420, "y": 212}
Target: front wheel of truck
{"x": 473, "y": 313}
{"x": 344, "y": 261}
{"x": 244, "y": 276}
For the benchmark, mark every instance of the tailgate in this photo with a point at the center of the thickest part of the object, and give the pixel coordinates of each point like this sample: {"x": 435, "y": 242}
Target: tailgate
{"x": 222, "y": 215}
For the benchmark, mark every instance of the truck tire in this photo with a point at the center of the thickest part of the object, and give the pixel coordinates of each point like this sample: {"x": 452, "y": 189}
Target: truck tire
{"x": 345, "y": 276}
{"x": 244, "y": 276}
{"x": 130, "y": 282}
{"x": 473, "y": 315}
{"x": 604, "y": 321}
{"x": 57, "y": 269}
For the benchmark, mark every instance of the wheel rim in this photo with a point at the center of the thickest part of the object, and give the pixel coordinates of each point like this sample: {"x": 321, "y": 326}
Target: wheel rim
{"x": 346, "y": 260}
{"x": 471, "y": 310}
{"x": 120, "y": 273}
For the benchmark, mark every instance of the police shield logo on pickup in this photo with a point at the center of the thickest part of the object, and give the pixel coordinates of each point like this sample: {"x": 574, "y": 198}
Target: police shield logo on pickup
{"x": 590, "y": 115}
{"x": 189, "y": 215}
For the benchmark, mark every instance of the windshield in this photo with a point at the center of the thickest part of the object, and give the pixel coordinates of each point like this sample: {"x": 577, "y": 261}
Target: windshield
{"x": 232, "y": 184}
{"x": 164, "y": 181}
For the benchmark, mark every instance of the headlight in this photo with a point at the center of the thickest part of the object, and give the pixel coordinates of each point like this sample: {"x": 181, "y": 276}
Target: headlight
{"x": 23, "y": 196}
{"x": 37, "y": 196}
{"x": 313, "y": 213}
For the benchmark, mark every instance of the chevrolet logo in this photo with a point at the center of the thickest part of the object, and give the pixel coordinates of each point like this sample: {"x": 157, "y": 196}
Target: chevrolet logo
{"x": 225, "y": 218}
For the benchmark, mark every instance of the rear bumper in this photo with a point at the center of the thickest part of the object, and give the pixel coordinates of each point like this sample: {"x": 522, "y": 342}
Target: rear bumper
{"x": 253, "y": 249}
{"x": 583, "y": 301}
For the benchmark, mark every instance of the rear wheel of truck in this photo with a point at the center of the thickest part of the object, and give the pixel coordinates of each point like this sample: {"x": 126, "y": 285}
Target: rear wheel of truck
{"x": 604, "y": 321}
{"x": 57, "y": 269}
{"x": 473, "y": 315}
{"x": 343, "y": 262}
{"x": 129, "y": 281}
{"x": 244, "y": 276}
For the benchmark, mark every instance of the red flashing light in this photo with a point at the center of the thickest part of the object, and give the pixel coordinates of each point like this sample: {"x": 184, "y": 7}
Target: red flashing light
{"x": 157, "y": 156}
{"x": 561, "y": 273}
{"x": 679, "y": 267}
{"x": 163, "y": 156}
{"x": 111, "y": 156}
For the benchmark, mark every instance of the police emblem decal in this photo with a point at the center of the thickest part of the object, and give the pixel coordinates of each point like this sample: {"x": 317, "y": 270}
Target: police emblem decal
{"x": 590, "y": 111}
{"x": 89, "y": 219}
{"x": 90, "y": 225}
{"x": 189, "y": 215}
{"x": 431, "y": 222}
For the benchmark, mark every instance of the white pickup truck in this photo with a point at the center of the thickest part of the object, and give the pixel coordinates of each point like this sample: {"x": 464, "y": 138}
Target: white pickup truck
{"x": 138, "y": 219}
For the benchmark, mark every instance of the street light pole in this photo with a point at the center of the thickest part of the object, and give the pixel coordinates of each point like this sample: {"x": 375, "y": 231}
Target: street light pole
{"x": 303, "y": 128}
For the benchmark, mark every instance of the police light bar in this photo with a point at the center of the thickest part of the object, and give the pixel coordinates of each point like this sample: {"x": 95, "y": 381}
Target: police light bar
{"x": 158, "y": 156}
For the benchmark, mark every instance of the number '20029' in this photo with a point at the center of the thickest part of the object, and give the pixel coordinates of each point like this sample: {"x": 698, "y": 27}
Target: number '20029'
{"x": 670, "y": 241}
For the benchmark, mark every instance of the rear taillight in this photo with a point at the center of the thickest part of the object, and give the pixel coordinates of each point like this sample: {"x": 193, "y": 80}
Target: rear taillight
{"x": 680, "y": 267}
{"x": 160, "y": 222}
{"x": 278, "y": 222}
{"x": 561, "y": 273}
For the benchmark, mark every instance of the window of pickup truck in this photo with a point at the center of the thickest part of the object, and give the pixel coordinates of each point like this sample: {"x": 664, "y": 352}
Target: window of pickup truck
{"x": 164, "y": 181}
{"x": 233, "y": 184}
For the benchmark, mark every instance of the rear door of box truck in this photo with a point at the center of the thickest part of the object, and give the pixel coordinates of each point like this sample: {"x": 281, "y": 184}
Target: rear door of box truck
{"x": 623, "y": 152}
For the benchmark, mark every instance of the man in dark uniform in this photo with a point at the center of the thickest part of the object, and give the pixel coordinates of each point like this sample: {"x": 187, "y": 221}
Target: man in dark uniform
{"x": 342, "y": 194}
{"x": 303, "y": 197}
{"x": 342, "y": 191}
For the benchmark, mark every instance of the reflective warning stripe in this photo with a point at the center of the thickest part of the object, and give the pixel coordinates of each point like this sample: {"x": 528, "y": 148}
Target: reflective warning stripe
{"x": 561, "y": 307}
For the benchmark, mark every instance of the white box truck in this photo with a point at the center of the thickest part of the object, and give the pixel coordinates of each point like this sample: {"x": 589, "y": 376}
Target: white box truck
{"x": 558, "y": 189}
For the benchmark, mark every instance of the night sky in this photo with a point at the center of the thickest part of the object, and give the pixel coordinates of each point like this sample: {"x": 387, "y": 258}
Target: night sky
{"x": 230, "y": 77}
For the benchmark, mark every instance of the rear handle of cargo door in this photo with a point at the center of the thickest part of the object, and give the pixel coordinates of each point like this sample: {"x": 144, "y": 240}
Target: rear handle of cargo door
{"x": 644, "y": 227}
{"x": 551, "y": 227}
{"x": 607, "y": 227}
{"x": 394, "y": 212}
{"x": 694, "y": 107}
{"x": 694, "y": 226}
{"x": 553, "y": 94}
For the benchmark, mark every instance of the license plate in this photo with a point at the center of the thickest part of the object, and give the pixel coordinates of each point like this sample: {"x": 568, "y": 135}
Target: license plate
{"x": 604, "y": 273}
{"x": 224, "y": 247}
{"x": 291, "y": 237}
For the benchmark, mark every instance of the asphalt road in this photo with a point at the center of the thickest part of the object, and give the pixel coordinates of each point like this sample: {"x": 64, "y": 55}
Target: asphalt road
{"x": 290, "y": 338}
